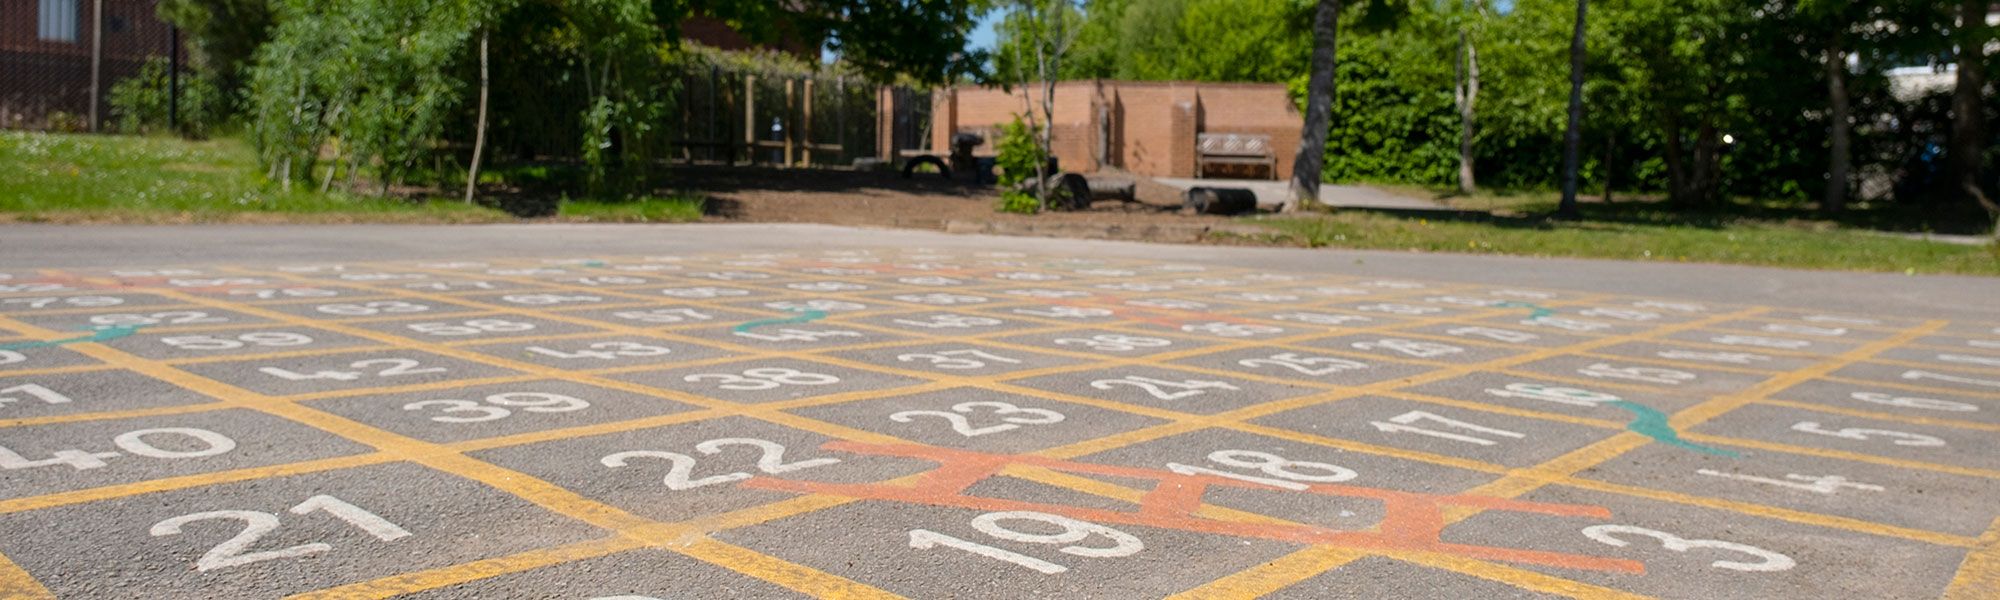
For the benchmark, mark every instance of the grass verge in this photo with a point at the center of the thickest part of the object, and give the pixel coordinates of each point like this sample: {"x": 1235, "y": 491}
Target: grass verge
{"x": 1793, "y": 244}
{"x": 671, "y": 209}
{"x": 65, "y": 178}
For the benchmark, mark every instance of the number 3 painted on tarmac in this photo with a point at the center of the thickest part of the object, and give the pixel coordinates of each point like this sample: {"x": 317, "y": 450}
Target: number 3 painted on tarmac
{"x": 1772, "y": 561}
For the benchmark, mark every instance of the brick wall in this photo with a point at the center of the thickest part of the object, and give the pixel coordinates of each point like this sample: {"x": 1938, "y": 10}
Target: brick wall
{"x": 1147, "y": 128}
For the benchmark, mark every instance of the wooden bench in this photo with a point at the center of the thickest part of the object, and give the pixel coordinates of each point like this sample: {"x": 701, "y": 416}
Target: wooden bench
{"x": 1234, "y": 149}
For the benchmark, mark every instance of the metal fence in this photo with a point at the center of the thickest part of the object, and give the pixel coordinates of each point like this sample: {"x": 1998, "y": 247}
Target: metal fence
{"x": 733, "y": 117}
{"x": 60, "y": 58}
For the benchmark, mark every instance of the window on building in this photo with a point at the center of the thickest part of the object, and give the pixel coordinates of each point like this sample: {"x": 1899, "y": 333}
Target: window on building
{"x": 58, "y": 21}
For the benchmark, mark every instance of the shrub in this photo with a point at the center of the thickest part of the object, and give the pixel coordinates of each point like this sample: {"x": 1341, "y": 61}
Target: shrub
{"x": 1019, "y": 152}
{"x": 140, "y": 103}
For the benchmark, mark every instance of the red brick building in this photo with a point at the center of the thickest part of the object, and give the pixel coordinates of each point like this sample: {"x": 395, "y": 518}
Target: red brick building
{"x": 1147, "y": 128}
{"x": 46, "y": 48}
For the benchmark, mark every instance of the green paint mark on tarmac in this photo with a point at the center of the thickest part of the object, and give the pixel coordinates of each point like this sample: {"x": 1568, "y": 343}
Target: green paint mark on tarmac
{"x": 1539, "y": 313}
{"x": 804, "y": 317}
{"x": 103, "y": 334}
{"x": 1653, "y": 424}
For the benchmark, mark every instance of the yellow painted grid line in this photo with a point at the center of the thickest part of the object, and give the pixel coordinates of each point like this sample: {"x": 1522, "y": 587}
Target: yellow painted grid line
{"x": 17, "y": 584}
{"x": 548, "y": 496}
{"x": 1072, "y": 325}
{"x": 1978, "y": 577}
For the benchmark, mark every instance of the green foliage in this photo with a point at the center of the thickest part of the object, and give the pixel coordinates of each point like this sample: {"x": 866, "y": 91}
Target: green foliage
{"x": 131, "y": 179}
{"x": 1665, "y": 81}
{"x": 1018, "y": 202}
{"x": 1020, "y": 152}
{"x": 1790, "y": 244}
{"x": 376, "y": 75}
{"x": 680, "y": 208}
{"x": 1393, "y": 113}
{"x": 140, "y": 103}
{"x": 1195, "y": 40}
{"x": 223, "y": 37}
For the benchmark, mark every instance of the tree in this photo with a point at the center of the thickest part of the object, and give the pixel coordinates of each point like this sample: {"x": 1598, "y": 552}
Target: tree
{"x": 1968, "y": 126}
{"x": 1573, "y": 135}
{"x": 1038, "y": 34}
{"x": 1465, "y": 93}
{"x": 1306, "y": 166}
{"x": 223, "y": 35}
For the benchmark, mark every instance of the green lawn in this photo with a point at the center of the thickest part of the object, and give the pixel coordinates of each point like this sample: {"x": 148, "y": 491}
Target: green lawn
{"x": 671, "y": 209}
{"x": 1788, "y": 243}
{"x": 92, "y": 178}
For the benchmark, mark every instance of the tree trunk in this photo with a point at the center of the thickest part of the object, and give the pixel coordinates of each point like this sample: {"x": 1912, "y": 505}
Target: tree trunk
{"x": 1836, "y": 89}
{"x": 1573, "y": 136}
{"x": 1468, "y": 98}
{"x": 479, "y": 135}
{"x": 1678, "y": 189}
{"x": 1610, "y": 159}
{"x": 1311, "y": 157}
{"x": 1707, "y": 158}
{"x": 1968, "y": 121}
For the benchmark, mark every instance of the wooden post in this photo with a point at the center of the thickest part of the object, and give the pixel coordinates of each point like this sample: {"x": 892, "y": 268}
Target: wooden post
{"x": 790, "y": 132}
{"x": 885, "y": 124}
{"x": 97, "y": 62}
{"x": 805, "y": 130}
{"x": 749, "y": 119}
{"x": 715, "y": 129}
{"x": 841, "y": 117}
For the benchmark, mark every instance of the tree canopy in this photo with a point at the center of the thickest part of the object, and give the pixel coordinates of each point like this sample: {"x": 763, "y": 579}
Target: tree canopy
{"x": 1698, "y": 100}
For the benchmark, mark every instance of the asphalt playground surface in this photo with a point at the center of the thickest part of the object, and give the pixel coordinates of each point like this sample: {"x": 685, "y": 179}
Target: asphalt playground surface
{"x": 778, "y": 411}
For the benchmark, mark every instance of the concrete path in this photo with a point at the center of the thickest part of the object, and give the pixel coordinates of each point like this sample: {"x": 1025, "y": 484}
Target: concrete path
{"x": 1272, "y": 193}
{"x": 805, "y": 411}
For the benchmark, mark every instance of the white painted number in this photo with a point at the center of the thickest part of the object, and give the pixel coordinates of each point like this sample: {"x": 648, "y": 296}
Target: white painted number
{"x": 1903, "y": 438}
{"x": 604, "y": 351}
{"x": 472, "y": 327}
{"x": 1282, "y": 472}
{"x": 1915, "y": 374}
{"x": 1158, "y": 387}
{"x": 132, "y": 442}
{"x": 1770, "y": 561}
{"x": 680, "y": 475}
{"x": 797, "y": 335}
{"x": 664, "y": 315}
{"x": 1640, "y": 374}
{"x": 390, "y": 367}
{"x": 1818, "y": 484}
{"x": 1073, "y": 531}
{"x": 1893, "y": 400}
{"x": 955, "y": 359}
{"x": 1402, "y": 423}
{"x": 159, "y": 318}
{"x": 209, "y": 342}
{"x": 1115, "y": 343}
{"x": 76, "y": 301}
{"x": 535, "y": 402}
{"x": 962, "y": 425}
{"x": 30, "y": 390}
{"x": 763, "y": 379}
{"x": 1309, "y": 365}
{"x": 363, "y": 309}
{"x": 256, "y": 525}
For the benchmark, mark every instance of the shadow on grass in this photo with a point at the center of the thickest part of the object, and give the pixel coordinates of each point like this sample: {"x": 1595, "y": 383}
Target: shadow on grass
{"x": 537, "y": 190}
{"x": 1892, "y": 217}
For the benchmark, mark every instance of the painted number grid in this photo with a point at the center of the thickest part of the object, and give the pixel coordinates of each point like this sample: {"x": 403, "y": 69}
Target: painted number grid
{"x": 826, "y": 423}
